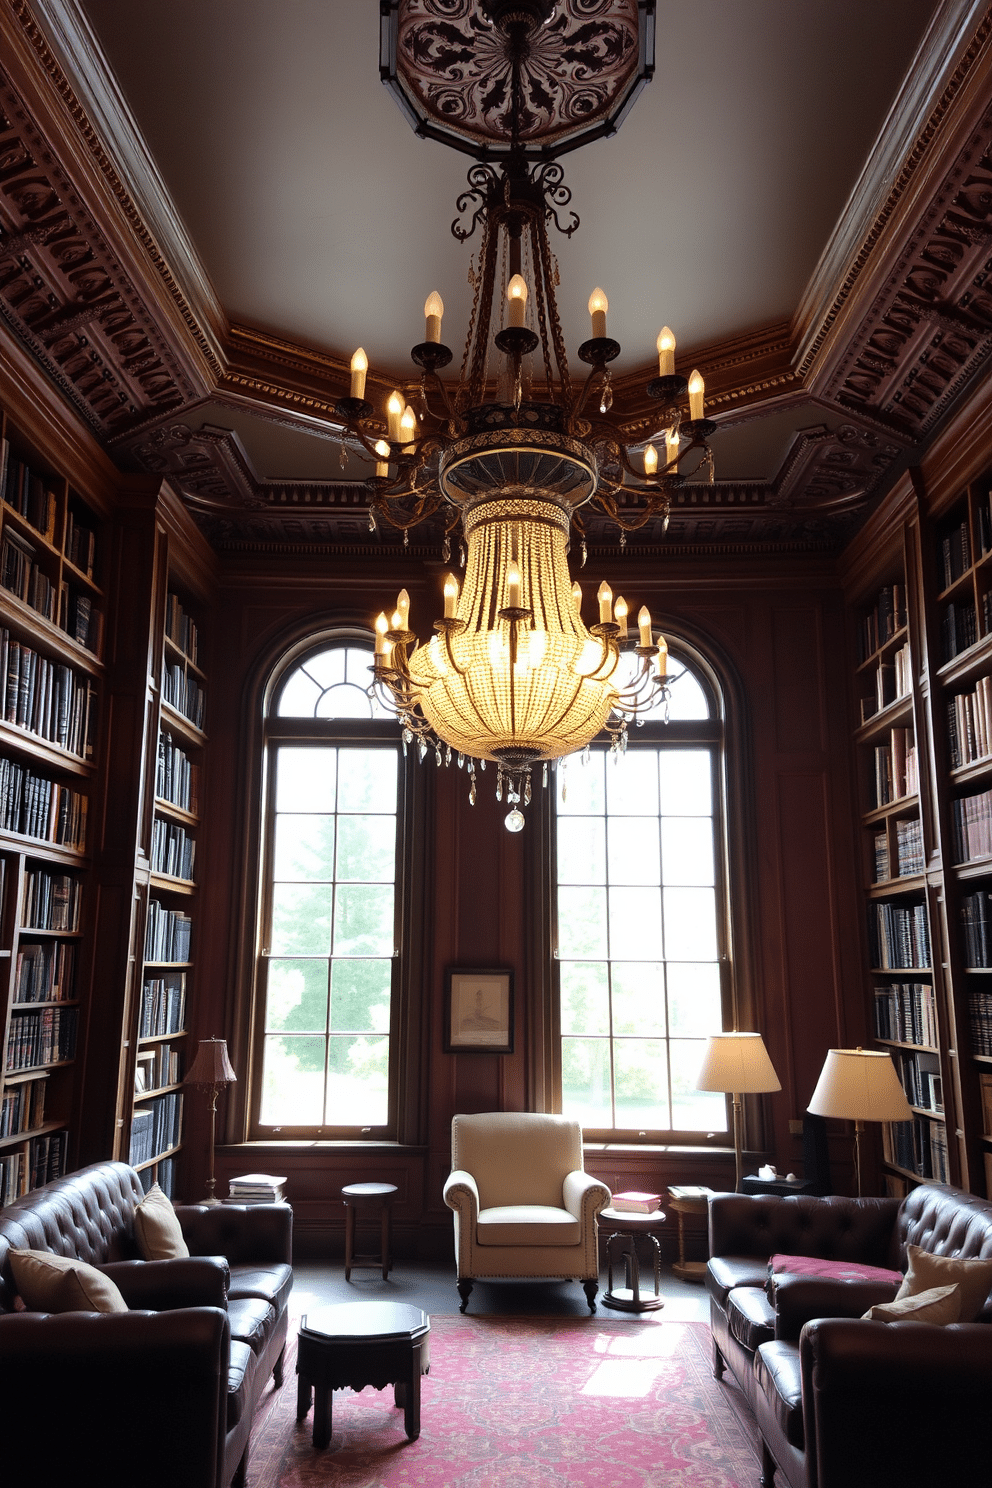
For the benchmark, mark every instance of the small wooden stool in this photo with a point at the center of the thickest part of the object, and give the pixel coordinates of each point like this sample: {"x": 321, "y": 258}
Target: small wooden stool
{"x": 626, "y": 1227}
{"x": 682, "y": 1204}
{"x": 353, "y": 1344}
{"x": 378, "y": 1196}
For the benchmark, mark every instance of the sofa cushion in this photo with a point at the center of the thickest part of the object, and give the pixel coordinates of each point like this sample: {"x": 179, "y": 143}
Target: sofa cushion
{"x": 939, "y": 1305}
{"x": 240, "y": 1382}
{"x": 802, "y": 1265}
{"x": 252, "y": 1321}
{"x": 926, "y": 1271}
{"x": 527, "y": 1224}
{"x": 53, "y": 1283}
{"x": 779, "y": 1379}
{"x": 723, "y": 1273}
{"x": 272, "y": 1283}
{"x": 750, "y": 1317}
{"x": 157, "y": 1230}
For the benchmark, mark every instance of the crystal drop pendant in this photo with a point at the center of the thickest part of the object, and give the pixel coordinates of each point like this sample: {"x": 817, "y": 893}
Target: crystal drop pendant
{"x": 515, "y": 820}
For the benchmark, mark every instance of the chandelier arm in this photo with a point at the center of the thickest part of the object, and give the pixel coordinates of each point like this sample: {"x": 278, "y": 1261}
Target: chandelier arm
{"x": 449, "y": 416}
{"x": 488, "y": 254}
{"x": 594, "y": 371}
{"x": 557, "y": 337}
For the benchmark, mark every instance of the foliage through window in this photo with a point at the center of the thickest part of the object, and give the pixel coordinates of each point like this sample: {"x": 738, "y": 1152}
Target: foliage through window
{"x": 640, "y": 921}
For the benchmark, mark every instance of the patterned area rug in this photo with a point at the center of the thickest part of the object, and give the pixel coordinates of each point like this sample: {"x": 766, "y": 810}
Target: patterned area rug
{"x": 528, "y": 1403}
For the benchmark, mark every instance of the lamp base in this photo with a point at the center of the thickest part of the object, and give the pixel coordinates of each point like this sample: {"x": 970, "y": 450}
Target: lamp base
{"x": 210, "y": 1201}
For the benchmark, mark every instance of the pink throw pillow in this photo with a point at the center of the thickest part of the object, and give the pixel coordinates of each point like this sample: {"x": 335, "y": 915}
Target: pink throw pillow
{"x": 837, "y": 1270}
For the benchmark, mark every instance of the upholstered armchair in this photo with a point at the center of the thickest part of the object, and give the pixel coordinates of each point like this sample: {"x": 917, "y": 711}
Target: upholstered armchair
{"x": 523, "y": 1205}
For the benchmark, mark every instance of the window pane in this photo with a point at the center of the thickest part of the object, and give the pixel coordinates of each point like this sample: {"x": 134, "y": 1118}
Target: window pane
{"x": 634, "y": 855}
{"x": 360, "y": 996}
{"x": 305, "y": 779}
{"x": 297, "y": 996}
{"x": 582, "y": 923}
{"x": 585, "y": 1080}
{"x": 690, "y": 924}
{"x": 694, "y": 1110}
{"x": 639, "y": 997}
{"x": 642, "y": 1083}
{"x": 688, "y": 700}
{"x": 686, "y": 782}
{"x": 580, "y": 789}
{"x": 585, "y": 997}
{"x": 635, "y": 924}
{"x": 301, "y": 920}
{"x": 632, "y": 783}
{"x": 363, "y": 920}
{"x": 304, "y": 848}
{"x": 298, "y": 697}
{"x": 367, "y": 848}
{"x": 344, "y": 701}
{"x": 582, "y": 850}
{"x": 367, "y": 780}
{"x": 293, "y": 1082}
{"x": 687, "y": 850}
{"x": 357, "y": 1083}
{"x": 694, "y": 1003}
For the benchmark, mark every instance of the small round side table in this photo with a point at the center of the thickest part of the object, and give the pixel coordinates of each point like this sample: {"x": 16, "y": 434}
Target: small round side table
{"x": 625, "y": 1228}
{"x": 377, "y": 1196}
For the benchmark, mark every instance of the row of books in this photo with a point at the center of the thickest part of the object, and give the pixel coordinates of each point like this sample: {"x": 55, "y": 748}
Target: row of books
{"x": 155, "y": 1127}
{"x": 70, "y": 609}
{"x": 906, "y": 1013}
{"x": 980, "y": 1021}
{"x": 976, "y": 925}
{"x": 958, "y": 628}
{"x": 920, "y": 1146}
{"x": 80, "y": 545}
{"x": 45, "y": 1037}
{"x": 899, "y": 935}
{"x": 177, "y": 779}
{"x": 45, "y": 972}
{"x": 969, "y": 724}
{"x": 156, "y": 1067}
{"x": 44, "y": 1163}
{"x": 896, "y": 771}
{"x": 35, "y": 806}
{"x": 971, "y": 827}
{"x": 163, "y": 1005}
{"x": 52, "y": 901}
{"x": 882, "y": 622}
{"x": 45, "y": 697}
{"x": 167, "y": 933}
{"x": 163, "y": 1173}
{"x": 180, "y": 628}
{"x": 184, "y": 693}
{"x": 955, "y": 554}
{"x": 22, "y": 1107}
{"x": 26, "y": 491}
{"x": 893, "y": 679}
{"x": 920, "y": 1076}
{"x": 173, "y": 849}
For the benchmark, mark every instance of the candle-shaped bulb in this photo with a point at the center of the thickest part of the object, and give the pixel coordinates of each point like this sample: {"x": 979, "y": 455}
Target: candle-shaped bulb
{"x": 433, "y": 310}
{"x": 620, "y": 615}
{"x": 516, "y": 293}
{"x": 605, "y": 596}
{"x": 403, "y": 610}
{"x": 662, "y": 659}
{"x": 395, "y": 405}
{"x": 513, "y": 585}
{"x": 650, "y": 460}
{"x": 644, "y": 625}
{"x": 666, "y": 352}
{"x": 382, "y": 464}
{"x": 381, "y": 626}
{"x": 387, "y": 653}
{"x": 359, "y": 367}
{"x": 598, "y": 306}
{"x": 696, "y": 389}
{"x": 397, "y": 621}
{"x": 577, "y": 595}
{"x": 450, "y": 596}
{"x": 408, "y": 426}
{"x": 671, "y": 446}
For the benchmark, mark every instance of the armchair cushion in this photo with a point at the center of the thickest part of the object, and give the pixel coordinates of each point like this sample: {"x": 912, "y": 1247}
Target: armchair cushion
{"x": 527, "y": 1224}
{"x": 53, "y": 1283}
{"x": 927, "y": 1270}
{"x": 940, "y": 1306}
{"x": 157, "y": 1230}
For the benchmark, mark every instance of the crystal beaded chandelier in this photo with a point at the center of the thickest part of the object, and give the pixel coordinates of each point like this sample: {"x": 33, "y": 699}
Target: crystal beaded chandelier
{"x": 512, "y": 452}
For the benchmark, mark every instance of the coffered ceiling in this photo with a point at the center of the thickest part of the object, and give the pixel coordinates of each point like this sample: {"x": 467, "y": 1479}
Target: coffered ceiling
{"x": 206, "y": 205}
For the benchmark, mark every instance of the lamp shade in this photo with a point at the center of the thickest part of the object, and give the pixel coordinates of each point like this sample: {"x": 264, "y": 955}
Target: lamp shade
{"x": 211, "y": 1067}
{"x": 860, "y": 1085}
{"x": 737, "y": 1063}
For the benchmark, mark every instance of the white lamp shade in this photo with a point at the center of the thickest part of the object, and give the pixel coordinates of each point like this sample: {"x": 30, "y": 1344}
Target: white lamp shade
{"x": 737, "y": 1063}
{"x": 860, "y": 1085}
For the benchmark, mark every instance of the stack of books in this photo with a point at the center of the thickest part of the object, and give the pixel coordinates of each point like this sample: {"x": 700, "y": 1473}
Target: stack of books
{"x": 256, "y": 1188}
{"x": 633, "y": 1202}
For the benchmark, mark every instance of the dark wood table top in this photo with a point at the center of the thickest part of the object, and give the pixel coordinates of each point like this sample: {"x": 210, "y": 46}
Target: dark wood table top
{"x": 364, "y": 1322}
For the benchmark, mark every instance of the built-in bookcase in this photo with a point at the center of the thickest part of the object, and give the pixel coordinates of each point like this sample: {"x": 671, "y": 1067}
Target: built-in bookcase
{"x": 51, "y": 671}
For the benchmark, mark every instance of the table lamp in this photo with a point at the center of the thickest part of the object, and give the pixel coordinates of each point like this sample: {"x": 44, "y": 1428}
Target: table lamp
{"x": 859, "y": 1085}
{"x": 737, "y": 1064}
{"x": 211, "y": 1070}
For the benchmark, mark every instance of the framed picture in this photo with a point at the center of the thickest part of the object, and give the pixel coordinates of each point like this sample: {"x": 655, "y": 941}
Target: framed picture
{"x": 478, "y": 1011}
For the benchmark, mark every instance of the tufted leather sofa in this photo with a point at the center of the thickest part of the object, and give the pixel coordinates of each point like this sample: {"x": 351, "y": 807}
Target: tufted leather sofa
{"x": 163, "y": 1394}
{"x": 839, "y": 1402}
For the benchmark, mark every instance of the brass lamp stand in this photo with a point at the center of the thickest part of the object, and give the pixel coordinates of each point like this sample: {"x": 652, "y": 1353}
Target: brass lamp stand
{"x": 211, "y": 1070}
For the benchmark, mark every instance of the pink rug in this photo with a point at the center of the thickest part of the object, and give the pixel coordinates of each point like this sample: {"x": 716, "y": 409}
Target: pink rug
{"x": 528, "y": 1403}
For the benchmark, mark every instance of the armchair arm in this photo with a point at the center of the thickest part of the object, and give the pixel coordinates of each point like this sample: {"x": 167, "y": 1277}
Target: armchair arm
{"x": 885, "y": 1404}
{"x": 94, "y": 1394}
{"x": 162, "y": 1286}
{"x": 461, "y": 1193}
{"x": 799, "y": 1299}
{"x": 255, "y": 1233}
{"x": 583, "y": 1195}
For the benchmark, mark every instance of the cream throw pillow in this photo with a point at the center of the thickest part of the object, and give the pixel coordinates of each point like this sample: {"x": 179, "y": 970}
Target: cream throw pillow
{"x": 974, "y": 1277}
{"x": 940, "y": 1305}
{"x": 156, "y": 1228}
{"x": 51, "y": 1283}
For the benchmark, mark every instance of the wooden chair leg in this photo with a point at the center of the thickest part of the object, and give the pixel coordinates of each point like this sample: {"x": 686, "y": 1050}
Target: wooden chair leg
{"x": 277, "y": 1368}
{"x": 767, "y": 1467}
{"x": 719, "y": 1363}
{"x": 591, "y": 1288}
{"x": 464, "y": 1291}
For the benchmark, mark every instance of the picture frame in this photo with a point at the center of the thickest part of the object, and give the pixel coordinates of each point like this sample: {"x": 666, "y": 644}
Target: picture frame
{"x": 478, "y": 1010}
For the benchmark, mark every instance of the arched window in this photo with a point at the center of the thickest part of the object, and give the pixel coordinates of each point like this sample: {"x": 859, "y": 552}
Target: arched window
{"x": 641, "y": 920}
{"x": 328, "y": 955}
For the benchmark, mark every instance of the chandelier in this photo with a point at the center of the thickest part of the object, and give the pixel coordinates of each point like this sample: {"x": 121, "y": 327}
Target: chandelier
{"x": 513, "y": 451}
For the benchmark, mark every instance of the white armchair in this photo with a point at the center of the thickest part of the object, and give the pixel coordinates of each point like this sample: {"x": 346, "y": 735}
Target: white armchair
{"x": 523, "y": 1206}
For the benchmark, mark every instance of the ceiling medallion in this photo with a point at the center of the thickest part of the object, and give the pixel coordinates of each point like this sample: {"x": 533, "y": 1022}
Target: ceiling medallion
{"x": 511, "y": 452}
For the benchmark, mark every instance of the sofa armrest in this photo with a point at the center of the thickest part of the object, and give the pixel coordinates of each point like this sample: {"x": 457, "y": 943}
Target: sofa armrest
{"x": 162, "y": 1286}
{"x": 799, "y": 1299}
{"x": 583, "y": 1195}
{"x": 886, "y": 1404}
{"x": 259, "y": 1234}
{"x": 100, "y": 1397}
{"x": 461, "y": 1193}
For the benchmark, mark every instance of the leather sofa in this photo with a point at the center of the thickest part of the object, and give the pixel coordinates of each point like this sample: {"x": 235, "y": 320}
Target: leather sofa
{"x": 164, "y": 1393}
{"x": 841, "y": 1402}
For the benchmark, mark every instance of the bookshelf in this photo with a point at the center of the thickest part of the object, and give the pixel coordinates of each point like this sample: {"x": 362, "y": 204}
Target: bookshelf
{"x": 51, "y": 672}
